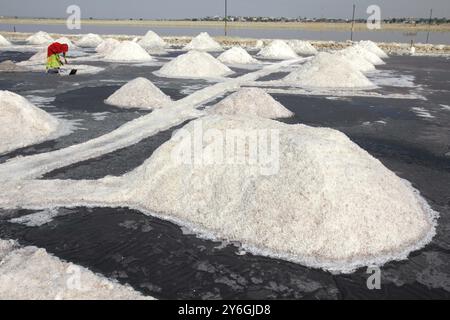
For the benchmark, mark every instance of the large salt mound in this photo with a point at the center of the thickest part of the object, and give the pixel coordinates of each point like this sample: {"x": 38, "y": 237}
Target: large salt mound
{"x": 302, "y": 47}
{"x": 139, "y": 93}
{"x": 194, "y": 64}
{"x": 327, "y": 70}
{"x": 374, "y": 48}
{"x": 357, "y": 50}
{"x": 330, "y": 204}
{"x": 4, "y": 42}
{"x": 152, "y": 40}
{"x": 39, "y": 38}
{"x": 22, "y": 124}
{"x": 278, "y": 49}
{"x": 237, "y": 55}
{"x": 252, "y": 102}
{"x": 128, "y": 51}
{"x": 203, "y": 42}
{"x": 89, "y": 40}
{"x": 107, "y": 46}
{"x": 30, "y": 273}
{"x": 356, "y": 60}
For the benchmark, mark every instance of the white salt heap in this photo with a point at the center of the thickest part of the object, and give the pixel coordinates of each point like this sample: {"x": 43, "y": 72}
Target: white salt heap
{"x": 374, "y": 48}
{"x": 152, "y": 40}
{"x": 259, "y": 44}
{"x": 139, "y": 93}
{"x": 278, "y": 49}
{"x": 30, "y": 273}
{"x": 357, "y": 50}
{"x": 4, "y": 42}
{"x": 67, "y": 41}
{"x": 203, "y": 42}
{"x": 128, "y": 51}
{"x": 356, "y": 60}
{"x": 237, "y": 55}
{"x": 324, "y": 201}
{"x": 39, "y": 38}
{"x": 327, "y": 70}
{"x": 22, "y": 124}
{"x": 302, "y": 47}
{"x": 252, "y": 102}
{"x": 89, "y": 40}
{"x": 194, "y": 64}
{"x": 107, "y": 46}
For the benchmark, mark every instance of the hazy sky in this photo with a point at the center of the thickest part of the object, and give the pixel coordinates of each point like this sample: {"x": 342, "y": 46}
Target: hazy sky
{"x": 151, "y": 9}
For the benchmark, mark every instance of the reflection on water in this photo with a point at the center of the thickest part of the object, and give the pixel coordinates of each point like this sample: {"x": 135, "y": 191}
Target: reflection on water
{"x": 380, "y": 36}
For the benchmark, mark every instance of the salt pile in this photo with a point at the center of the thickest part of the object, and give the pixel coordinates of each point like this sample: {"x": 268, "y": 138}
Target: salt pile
{"x": 40, "y": 38}
{"x": 89, "y": 40}
{"x": 259, "y": 44}
{"x": 30, "y": 273}
{"x": 128, "y": 51}
{"x": 327, "y": 70}
{"x": 203, "y": 42}
{"x": 194, "y": 64}
{"x": 107, "y": 46}
{"x": 139, "y": 93}
{"x": 9, "y": 66}
{"x": 302, "y": 47}
{"x": 360, "y": 51}
{"x": 252, "y": 102}
{"x": 237, "y": 55}
{"x": 152, "y": 40}
{"x": 328, "y": 203}
{"x": 67, "y": 41}
{"x": 278, "y": 49}
{"x": 374, "y": 48}
{"x": 4, "y": 42}
{"x": 356, "y": 60}
{"x": 22, "y": 124}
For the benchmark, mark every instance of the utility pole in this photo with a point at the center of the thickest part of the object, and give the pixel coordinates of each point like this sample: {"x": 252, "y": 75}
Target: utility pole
{"x": 429, "y": 25}
{"x": 226, "y": 17}
{"x": 353, "y": 22}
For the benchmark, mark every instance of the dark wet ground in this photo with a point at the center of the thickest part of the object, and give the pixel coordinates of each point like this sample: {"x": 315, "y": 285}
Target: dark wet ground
{"x": 157, "y": 258}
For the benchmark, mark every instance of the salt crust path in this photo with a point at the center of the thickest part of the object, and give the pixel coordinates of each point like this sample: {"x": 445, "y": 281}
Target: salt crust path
{"x": 130, "y": 133}
{"x": 29, "y": 273}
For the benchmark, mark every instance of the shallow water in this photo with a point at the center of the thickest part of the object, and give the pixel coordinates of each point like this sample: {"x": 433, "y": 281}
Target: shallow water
{"x": 159, "y": 258}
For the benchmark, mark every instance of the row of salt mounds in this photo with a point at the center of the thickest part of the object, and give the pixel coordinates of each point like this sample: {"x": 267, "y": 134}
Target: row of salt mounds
{"x": 203, "y": 42}
{"x": 374, "y": 48}
{"x": 194, "y": 64}
{"x": 139, "y": 93}
{"x": 328, "y": 70}
{"x": 357, "y": 60}
{"x": 152, "y": 40}
{"x": 30, "y": 273}
{"x": 4, "y": 42}
{"x": 23, "y": 124}
{"x": 39, "y": 38}
{"x": 252, "y": 102}
{"x": 329, "y": 205}
{"x": 302, "y": 47}
{"x": 89, "y": 40}
{"x": 279, "y": 50}
{"x": 107, "y": 46}
{"x": 128, "y": 51}
{"x": 237, "y": 55}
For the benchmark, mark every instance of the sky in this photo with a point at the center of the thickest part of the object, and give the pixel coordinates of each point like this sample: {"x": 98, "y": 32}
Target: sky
{"x": 164, "y": 9}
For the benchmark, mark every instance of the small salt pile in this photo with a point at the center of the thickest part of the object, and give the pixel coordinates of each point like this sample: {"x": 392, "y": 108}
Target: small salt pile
{"x": 67, "y": 41}
{"x": 107, "y": 46}
{"x": 39, "y": 38}
{"x": 152, "y": 40}
{"x": 139, "y": 93}
{"x": 252, "y": 102}
{"x": 259, "y": 44}
{"x": 323, "y": 201}
{"x": 4, "y": 42}
{"x": 301, "y": 47}
{"x": 357, "y": 50}
{"x": 279, "y": 50}
{"x": 194, "y": 64}
{"x": 89, "y": 40}
{"x": 358, "y": 61}
{"x": 128, "y": 51}
{"x": 237, "y": 55}
{"x": 23, "y": 124}
{"x": 374, "y": 48}
{"x": 10, "y": 66}
{"x": 328, "y": 70}
{"x": 203, "y": 42}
